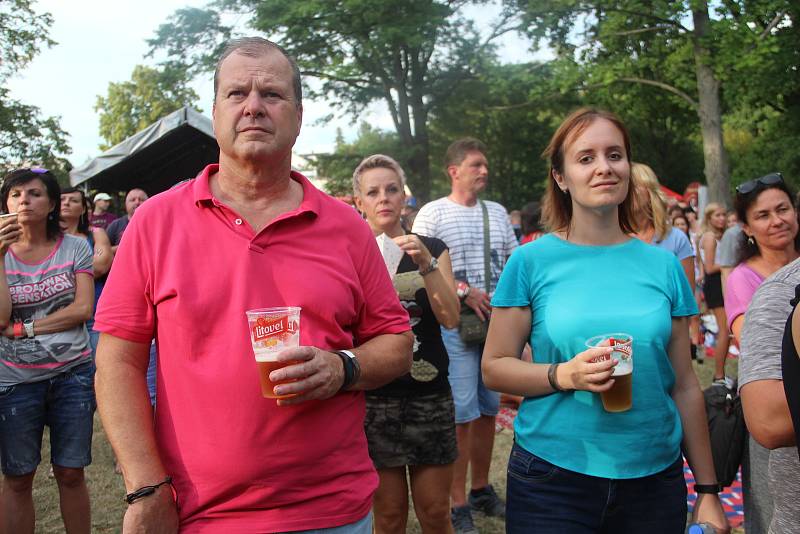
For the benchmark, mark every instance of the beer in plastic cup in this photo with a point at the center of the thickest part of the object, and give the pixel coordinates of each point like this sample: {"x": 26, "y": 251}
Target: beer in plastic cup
{"x": 620, "y": 397}
{"x": 271, "y": 331}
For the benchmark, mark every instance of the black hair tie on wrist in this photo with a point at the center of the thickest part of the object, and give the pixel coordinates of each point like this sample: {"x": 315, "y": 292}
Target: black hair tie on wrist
{"x": 146, "y": 491}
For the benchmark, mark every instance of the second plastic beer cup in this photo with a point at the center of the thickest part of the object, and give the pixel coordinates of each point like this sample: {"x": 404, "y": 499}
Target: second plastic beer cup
{"x": 620, "y": 397}
{"x": 271, "y": 331}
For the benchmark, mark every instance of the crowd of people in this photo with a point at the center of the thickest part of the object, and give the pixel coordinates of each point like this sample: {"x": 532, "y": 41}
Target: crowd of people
{"x": 394, "y": 389}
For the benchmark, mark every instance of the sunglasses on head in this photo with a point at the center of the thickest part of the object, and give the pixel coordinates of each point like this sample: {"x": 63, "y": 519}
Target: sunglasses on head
{"x": 751, "y": 185}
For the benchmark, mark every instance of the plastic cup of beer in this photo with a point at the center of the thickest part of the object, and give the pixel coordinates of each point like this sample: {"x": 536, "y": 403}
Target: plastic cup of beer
{"x": 620, "y": 397}
{"x": 273, "y": 330}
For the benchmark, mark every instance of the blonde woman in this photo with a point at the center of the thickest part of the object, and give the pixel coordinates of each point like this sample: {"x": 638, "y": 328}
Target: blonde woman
{"x": 410, "y": 422}
{"x": 653, "y": 226}
{"x": 715, "y": 220}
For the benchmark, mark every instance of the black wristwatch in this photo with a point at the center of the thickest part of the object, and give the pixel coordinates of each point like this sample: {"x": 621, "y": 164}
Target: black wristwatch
{"x": 707, "y": 488}
{"x": 352, "y": 369}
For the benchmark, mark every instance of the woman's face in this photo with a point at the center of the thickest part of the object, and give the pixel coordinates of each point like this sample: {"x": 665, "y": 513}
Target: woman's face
{"x": 681, "y": 224}
{"x": 772, "y": 220}
{"x": 718, "y": 219}
{"x": 30, "y": 201}
{"x": 381, "y": 198}
{"x": 596, "y": 167}
{"x": 72, "y": 206}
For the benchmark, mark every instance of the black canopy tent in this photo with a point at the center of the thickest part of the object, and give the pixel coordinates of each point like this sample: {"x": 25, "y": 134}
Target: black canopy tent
{"x": 168, "y": 151}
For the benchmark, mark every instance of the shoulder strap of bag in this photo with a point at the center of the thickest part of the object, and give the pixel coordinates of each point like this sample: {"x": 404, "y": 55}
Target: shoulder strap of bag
{"x": 487, "y": 266}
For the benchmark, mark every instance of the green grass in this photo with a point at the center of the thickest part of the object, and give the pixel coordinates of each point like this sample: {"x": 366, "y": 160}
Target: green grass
{"x": 107, "y": 491}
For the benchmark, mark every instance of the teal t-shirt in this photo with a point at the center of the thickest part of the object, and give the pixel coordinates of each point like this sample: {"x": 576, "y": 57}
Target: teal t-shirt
{"x": 579, "y": 291}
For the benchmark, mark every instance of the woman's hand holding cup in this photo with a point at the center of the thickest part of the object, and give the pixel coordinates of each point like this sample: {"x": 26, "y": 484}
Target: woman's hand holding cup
{"x": 589, "y": 370}
{"x": 10, "y": 231}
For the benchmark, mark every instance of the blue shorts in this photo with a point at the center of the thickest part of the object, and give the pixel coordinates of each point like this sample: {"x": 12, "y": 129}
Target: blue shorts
{"x": 472, "y": 399}
{"x": 362, "y": 526}
{"x": 64, "y": 403}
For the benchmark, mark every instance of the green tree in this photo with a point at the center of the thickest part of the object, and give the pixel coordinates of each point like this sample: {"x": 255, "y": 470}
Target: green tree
{"x": 25, "y": 136}
{"x": 133, "y": 105}
{"x": 409, "y": 54}
{"x": 339, "y": 165}
{"x": 675, "y": 46}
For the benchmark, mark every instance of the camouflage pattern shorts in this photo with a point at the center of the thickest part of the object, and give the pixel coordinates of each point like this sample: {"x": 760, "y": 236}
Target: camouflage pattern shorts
{"x": 411, "y": 430}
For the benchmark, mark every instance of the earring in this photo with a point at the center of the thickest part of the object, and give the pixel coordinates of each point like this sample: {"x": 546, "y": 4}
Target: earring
{"x": 750, "y": 240}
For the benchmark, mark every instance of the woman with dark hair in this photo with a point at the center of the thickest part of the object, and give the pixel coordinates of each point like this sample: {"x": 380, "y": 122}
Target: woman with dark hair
{"x": 769, "y": 240}
{"x": 530, "y": 220}
{"x": 46, "y": 368}
{"x": 75, "y": 212}
{"x": 576, "y": 466}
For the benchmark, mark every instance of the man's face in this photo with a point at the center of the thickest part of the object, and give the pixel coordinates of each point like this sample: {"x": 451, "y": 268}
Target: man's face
{"x": 102, "y": 205}
{"x": 256, "y": 116}
{"x": 471, "y": 175}
{"x": 133, "y": 200}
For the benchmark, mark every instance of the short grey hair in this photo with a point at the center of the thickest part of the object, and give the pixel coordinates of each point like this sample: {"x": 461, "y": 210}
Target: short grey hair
{"x": 255, "y": 47}
{"x": 376, "y": 161}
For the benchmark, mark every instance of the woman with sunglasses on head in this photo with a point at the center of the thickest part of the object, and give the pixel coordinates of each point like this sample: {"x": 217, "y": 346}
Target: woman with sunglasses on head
{"x": 75, "y": 211}
{"x": 769, "y": 240}
{"x": 576, "y": 467}
{"x": 410, "y": 422}
{"x": 713, "y": 226}
{"x": 46, "y": 368}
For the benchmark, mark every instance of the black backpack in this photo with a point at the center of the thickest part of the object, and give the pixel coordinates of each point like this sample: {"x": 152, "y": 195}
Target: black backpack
{"x": 726, "y": 429}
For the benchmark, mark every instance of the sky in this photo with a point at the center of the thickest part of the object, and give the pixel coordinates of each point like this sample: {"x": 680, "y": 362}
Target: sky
{"x": 100, "y": 42}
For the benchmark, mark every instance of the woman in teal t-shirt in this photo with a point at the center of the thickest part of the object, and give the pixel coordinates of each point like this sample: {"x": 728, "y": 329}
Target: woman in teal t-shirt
{"x": 575, "y": 467}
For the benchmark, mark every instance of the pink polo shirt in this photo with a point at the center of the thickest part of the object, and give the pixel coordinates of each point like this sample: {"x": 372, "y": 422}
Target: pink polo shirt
{"x": 187, "y": 269}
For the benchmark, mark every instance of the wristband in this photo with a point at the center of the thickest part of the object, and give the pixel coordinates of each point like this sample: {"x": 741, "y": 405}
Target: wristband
{"x": 707, "y": 488}
{"x": 18, "y": 331}
{"x": 551, "y": 377}
{"x": 146, "y": 491}
{"x": 352, "y": 369}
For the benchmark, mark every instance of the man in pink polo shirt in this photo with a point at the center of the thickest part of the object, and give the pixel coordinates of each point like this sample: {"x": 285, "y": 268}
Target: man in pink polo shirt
{"x": 247, "y": 233}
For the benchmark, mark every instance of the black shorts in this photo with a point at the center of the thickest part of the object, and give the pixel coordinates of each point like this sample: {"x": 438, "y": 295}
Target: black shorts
{"x": 411, "y": 430}
{"x": 712, "y": 291}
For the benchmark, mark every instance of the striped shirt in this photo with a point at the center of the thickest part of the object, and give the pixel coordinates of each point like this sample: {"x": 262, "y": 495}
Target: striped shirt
{"x": 461, "y": 228}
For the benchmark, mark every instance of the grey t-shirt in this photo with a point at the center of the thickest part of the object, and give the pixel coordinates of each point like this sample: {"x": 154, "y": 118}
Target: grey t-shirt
{"x": 728, "y": 246}
{"x": 37, "y": 290}
{"x": 760, "y": 359}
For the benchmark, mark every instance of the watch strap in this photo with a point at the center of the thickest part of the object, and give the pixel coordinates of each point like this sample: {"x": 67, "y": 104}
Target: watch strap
{"x": 352, "y": 369}
{"x": 432, "y": 266}
{"x": 707, "y": 488}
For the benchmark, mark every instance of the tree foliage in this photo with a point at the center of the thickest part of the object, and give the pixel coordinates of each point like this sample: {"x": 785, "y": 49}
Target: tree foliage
{"x": 701, "y": 57}
{"x": 339, "y": 165}
{"x": 26, "y": 138}
{"x": 409, "y": 54}
{"x": 150, "y": 94}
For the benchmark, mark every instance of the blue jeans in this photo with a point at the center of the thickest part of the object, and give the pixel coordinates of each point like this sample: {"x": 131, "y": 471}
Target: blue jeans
{"x": 362, "y": 526}
{"x": 546, "y": 499}
{"x": 470, "y": 396}
{"x": 65, "y": 403}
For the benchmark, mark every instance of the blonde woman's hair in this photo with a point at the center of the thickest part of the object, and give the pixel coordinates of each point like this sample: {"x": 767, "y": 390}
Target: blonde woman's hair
{"x": 376, "y": 161}
{"x": 643, "y": 176}
{"x": 705, "y": 224}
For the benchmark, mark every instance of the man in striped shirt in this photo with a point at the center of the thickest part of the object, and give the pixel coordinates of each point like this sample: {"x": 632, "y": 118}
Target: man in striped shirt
{"x": 458, "y": 220}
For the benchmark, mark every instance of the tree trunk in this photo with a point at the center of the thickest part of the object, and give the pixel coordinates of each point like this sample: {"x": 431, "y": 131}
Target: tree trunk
{"x": 420, "y": 175}
{"x": 717, "y": 170}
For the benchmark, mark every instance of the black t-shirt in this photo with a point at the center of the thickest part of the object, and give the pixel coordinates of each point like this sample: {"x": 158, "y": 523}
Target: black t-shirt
{"x": 791, "y": 371}
{"x": 429, "y": 371}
